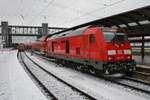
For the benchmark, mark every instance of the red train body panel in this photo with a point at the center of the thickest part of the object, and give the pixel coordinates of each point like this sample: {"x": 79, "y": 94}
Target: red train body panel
{"x": 39, "y": 45}
{"x": 98, "y": 47}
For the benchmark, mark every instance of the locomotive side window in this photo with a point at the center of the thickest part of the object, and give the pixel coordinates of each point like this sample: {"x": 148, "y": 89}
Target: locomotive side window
{"x": 67, "y": 46}
{"x": 91, "y": 38}
{"x": 52, "y": 46}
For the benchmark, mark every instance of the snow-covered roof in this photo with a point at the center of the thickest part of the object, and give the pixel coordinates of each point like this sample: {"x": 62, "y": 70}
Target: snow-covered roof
{"x": 63, "y": 13}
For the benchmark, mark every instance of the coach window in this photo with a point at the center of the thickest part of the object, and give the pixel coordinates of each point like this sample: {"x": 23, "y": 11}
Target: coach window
{"x": 91, "y": 38}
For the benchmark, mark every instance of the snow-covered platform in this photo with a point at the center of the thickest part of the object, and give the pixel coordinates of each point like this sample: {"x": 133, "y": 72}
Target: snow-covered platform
{"x": 15, "y": 84}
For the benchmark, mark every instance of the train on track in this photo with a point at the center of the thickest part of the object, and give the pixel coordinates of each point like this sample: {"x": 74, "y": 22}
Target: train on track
{"x": 93, "y": 48}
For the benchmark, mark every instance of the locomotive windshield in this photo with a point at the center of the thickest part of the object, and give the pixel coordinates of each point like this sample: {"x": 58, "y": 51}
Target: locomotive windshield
{"x": 115, "y": 37}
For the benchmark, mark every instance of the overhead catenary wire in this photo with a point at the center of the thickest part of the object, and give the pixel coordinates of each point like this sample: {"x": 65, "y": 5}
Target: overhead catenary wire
{"x": 99, "y": 9}
{"x": 63, "y": 7}
{"x": 42, "y": 11}
{"x": 74, "y": 10}
{"x": 20, "y": 15}
{"x": 83, "y": 13}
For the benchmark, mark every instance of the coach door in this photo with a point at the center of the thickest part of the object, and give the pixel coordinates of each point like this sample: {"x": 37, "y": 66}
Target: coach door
{"x": 67, "y": 46}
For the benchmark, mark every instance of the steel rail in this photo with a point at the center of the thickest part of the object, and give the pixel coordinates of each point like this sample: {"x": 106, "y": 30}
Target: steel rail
{"x": 48, "y": 93}
{"x": 61, "y": 80}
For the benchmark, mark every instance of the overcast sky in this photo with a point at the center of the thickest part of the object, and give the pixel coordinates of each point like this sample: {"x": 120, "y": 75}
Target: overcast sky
{"x": 63, "y": 13}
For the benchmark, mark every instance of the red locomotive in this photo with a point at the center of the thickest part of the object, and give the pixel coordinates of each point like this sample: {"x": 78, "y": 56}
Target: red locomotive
{"x": 97, "y": 49}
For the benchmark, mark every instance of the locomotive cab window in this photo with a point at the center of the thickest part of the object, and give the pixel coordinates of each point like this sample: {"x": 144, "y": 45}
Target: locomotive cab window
{"x": 92, "y": 38}
{"x": 115, "y": 37}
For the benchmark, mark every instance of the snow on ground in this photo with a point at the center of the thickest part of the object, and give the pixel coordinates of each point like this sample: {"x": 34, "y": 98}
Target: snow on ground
{"x": 15, "y": 84}
{"x": 57, "y": 88}
{"x": 97, "y": 87}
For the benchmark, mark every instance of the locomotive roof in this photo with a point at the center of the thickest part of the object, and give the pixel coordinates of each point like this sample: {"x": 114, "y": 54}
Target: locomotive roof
{"x": 75, "y": 32}
{"x": 42, "y": 38}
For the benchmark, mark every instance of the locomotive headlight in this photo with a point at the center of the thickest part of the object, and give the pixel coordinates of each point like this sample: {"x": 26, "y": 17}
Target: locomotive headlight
{"x": 111, "y": 52}
{"x": 129, "y": 57}
{"x": 127, "y": 51}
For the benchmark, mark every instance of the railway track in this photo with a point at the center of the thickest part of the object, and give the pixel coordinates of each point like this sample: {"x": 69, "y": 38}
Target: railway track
{"x": 128, "y": 82}
{"x": 133, "y": 84}
{"x": 137, "y": 80}
{"x": 76, "y": 91}
{"x": 144, "y": 69}
{"x": 142, "y": 73}
{"x": 47, "y": 93}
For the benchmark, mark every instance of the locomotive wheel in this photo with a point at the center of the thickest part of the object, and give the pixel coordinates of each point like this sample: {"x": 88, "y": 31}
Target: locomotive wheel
{"x": 46, "y": 54}
{"x": 129, "y": 73}
{"x": 106, "y": 71}
{"x": 79, "y": 67}
{"x": 92, "y": 71}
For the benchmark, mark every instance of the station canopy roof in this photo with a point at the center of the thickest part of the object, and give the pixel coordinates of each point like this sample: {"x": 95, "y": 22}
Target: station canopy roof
{"x": 135, "y": 22}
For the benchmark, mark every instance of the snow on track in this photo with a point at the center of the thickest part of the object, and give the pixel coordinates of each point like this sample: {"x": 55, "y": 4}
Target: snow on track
{"x": 135, "y": 84}
{"x": 14, "y": 82}
{"x": 57, "y": 88}
{"x": 98, "y": 88}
